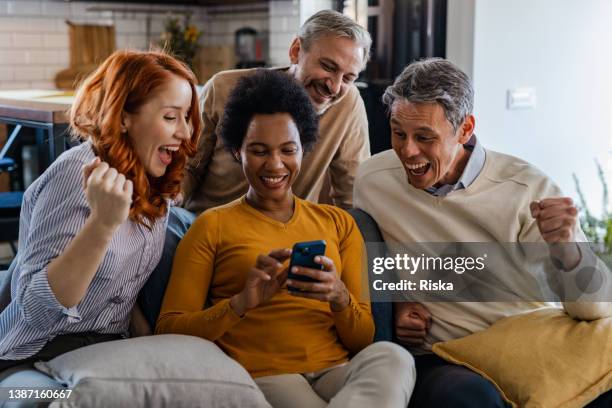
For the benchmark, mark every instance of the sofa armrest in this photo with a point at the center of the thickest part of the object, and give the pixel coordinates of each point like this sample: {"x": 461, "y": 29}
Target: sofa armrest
{"x": 381, "y": 311}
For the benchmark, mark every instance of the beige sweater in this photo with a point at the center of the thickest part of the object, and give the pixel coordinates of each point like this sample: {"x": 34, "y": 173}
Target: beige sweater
{"x": 214, "y": 178}
{"x": 494, "y": 208}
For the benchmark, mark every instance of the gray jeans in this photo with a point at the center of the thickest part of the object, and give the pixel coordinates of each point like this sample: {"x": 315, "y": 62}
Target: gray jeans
{"x": 382, "y": 375}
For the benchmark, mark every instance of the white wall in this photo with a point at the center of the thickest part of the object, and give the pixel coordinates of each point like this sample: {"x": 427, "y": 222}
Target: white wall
{"x": 284, "y": 23}
{"x": 34, "y": 42}
{"x": 219, "y": 23}
{"x": 34, "y": 35}
{"x": 286, "y": 16}
{"x": 460, "y": 34}
{"x": 310, "y": 7}
{"x": 562, "y": 48}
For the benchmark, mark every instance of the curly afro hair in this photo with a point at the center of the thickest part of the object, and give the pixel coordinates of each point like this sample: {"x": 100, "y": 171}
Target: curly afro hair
{"x": 268, "y": 91}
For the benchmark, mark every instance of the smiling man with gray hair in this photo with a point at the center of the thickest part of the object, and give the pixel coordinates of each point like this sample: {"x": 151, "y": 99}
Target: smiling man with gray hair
{"x": 439, "y": 184}
{"x": 327, "y": 55}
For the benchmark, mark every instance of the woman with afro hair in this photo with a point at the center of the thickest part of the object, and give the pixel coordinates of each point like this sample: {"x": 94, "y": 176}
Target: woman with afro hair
{"x": 307, "y": 346}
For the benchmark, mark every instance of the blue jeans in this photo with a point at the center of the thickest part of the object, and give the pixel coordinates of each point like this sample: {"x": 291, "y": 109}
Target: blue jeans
{"x": 442, "y": 384}
{"x": 604, "y": 401}
{"x": 21, "y": 373}
{"x": 25, "y": 376}
{"x": 152, "y": 294}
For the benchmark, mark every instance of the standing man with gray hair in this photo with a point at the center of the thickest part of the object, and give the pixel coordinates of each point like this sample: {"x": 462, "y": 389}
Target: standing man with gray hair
{"x": 327, "y": 55}
{"x": 439, "y": 184}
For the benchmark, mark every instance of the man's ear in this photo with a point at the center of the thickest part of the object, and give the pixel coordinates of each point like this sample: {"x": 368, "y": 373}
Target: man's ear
{"x": 467, "y": 129}
{"x": 294, "y": 50}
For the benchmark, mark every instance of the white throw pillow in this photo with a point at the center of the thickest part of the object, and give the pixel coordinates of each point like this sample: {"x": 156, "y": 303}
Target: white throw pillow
{"x": 153, "y": 371}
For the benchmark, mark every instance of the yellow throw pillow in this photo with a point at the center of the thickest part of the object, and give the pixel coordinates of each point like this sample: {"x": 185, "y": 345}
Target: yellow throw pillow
{"x": 541, "y": 359}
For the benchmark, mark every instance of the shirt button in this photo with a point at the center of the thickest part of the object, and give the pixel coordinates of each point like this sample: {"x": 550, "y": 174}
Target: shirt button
{"x": 116, "y": 300}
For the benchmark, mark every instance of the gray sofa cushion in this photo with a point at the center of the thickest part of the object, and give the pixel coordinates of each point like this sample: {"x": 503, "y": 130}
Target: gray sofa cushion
{"x": 152, "y": 293}
{"x": 153, "y": 371}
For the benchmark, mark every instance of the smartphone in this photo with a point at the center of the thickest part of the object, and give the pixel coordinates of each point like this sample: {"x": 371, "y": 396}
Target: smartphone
{"x": 303, "y": 254}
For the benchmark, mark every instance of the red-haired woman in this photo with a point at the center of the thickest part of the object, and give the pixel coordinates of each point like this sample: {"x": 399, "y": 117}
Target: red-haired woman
{"x": 93, "y": 224}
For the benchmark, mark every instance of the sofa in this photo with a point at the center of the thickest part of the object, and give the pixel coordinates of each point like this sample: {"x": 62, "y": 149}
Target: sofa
{"x": 91, "y": 370}
{"x": 222, "y": 382}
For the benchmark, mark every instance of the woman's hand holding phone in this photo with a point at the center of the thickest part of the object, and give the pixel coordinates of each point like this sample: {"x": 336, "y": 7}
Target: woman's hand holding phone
{"x": 265, "y": 280}
{"x": 328, "y": 288}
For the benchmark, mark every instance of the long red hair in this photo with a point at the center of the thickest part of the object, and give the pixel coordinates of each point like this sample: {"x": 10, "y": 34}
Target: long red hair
{"x": 124, "y": 82}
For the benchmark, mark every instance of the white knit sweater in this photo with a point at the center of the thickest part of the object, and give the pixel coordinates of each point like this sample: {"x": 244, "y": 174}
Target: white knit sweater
{"x": 494, "y": 208}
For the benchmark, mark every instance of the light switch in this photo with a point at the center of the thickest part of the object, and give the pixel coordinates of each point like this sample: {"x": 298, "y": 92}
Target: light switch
{"x": 521, "y": 98}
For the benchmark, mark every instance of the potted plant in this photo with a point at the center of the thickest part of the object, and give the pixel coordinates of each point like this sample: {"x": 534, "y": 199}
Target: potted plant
{"x": 597, "y": 230}
{"x": 181, "y": 40}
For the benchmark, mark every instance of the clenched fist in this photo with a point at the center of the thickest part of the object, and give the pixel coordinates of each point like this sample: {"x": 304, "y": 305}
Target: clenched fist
{"x": 108, "y": 193}
{"x": 412, "y": 322}
{"x": 556, "y": 219}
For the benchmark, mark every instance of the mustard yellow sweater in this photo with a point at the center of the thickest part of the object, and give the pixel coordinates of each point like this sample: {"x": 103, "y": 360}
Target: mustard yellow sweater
{"x": 287, "y": 334}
